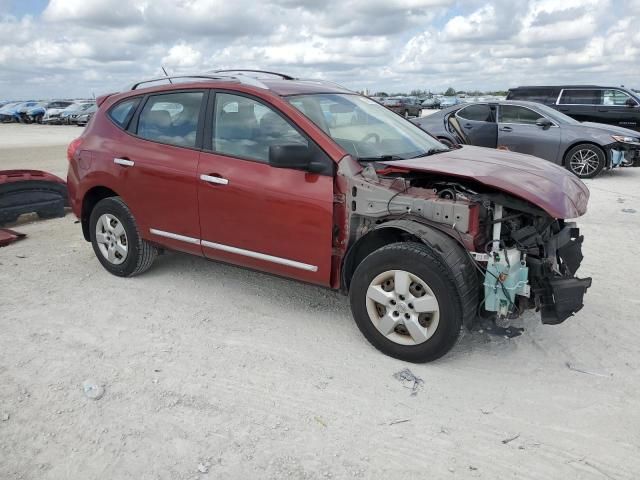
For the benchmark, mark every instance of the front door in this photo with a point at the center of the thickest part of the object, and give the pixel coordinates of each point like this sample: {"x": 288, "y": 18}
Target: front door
{"x": 159, "y": 161}
{"x": 273, "y": 219}
{"x": 619, "y": 109}
{"x": 517, "y": 131}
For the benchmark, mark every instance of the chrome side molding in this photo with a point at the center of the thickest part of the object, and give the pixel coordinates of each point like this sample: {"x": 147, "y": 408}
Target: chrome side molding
{"x": 238, "y": 251}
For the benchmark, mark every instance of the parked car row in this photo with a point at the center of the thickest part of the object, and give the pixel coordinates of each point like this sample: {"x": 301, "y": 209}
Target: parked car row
{"x": 58, "y": 112}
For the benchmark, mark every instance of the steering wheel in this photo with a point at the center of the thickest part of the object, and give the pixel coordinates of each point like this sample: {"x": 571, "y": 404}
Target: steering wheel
{"x": 371, "y": 135}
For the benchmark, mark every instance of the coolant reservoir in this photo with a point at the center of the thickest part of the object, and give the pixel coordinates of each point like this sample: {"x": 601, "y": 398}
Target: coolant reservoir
{"x": 507, "y": 276}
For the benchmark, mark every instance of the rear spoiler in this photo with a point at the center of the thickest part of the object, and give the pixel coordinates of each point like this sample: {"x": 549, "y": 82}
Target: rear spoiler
{"x": 100, "y": 99}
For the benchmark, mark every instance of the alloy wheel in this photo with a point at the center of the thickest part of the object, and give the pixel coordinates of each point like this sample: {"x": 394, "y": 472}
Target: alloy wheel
{"x": 111, "y": 238}
{"x": 402, "y": 307}
{"x": 584, "y": 162}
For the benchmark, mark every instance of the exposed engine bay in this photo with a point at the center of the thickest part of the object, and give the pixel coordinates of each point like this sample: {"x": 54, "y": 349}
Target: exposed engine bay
{"x": 525, "y": 258}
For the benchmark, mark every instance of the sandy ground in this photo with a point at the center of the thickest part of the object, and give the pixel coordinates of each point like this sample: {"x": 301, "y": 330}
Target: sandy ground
{"x": 210, "y": 371}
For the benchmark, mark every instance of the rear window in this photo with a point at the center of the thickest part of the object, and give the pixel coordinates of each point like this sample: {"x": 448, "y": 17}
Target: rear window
{"x": 583, "y": 96}
{"x": 123, "y": 111}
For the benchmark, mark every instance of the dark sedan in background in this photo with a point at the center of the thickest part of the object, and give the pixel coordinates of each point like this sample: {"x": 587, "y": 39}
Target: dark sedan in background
{"x": 526, "y": 127}
{"x": 405, "y": 106}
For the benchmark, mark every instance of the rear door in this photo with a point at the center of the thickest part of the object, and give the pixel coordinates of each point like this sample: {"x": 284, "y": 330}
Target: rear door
{"x": 517, "y": 131}
{"x": 583, "y": 104}
{"x": 159, "y": 162}
{"x": 277, "y": 220}
{"x": 476, "y": 125}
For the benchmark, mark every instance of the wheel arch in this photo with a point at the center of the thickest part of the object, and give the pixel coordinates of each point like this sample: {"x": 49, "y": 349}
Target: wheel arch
{"x": 448, "y": 248}
{"x": 89, "y": 201}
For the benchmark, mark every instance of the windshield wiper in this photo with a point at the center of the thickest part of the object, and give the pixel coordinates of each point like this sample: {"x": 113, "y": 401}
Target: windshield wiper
{"x": 431, "y": 151}
{"x": 381, "y": 158}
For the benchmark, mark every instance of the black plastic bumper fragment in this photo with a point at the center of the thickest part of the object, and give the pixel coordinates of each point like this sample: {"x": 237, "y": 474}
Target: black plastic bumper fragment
{"x": 562, "y": 298}
{"x": 45, "y": 198}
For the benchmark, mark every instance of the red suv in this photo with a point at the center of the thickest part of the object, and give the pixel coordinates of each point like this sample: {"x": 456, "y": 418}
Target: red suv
{"x": 308, "y": 180}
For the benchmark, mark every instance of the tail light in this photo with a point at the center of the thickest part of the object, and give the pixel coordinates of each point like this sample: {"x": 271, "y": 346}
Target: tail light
{"x": 73, "y": 148}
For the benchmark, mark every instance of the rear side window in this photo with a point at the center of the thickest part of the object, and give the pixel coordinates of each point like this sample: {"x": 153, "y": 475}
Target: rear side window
{"x": 123, "y": 111}
{"x": 477, "y": 113}
{"x": 541, "y": 95}
{"x": 517, "y": 114}
{"x": 581, "y": 96}
{"x": 171, "y": 118}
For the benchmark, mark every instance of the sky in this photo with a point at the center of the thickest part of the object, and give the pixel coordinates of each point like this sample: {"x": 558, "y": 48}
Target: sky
{"x": 77, "y": 48}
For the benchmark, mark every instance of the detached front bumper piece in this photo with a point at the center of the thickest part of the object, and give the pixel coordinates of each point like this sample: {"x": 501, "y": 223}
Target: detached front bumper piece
{"x": 557, "y": 291}
{"x": 27, "y": 191}
{"x": 563, "y": 298}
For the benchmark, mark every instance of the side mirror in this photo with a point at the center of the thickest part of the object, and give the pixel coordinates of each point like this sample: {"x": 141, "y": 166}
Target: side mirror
{"x": 543, "y": 122}
{"x": 631, "y": 102}
{"x": 296, "y": 157}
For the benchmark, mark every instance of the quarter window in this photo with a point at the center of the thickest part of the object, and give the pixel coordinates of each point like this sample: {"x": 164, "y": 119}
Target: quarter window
{"x": 616, "y": 97}
{"x": 517, "y": 114}
{"x": 246, "y": 128}
{"x": 123, "y": 111}
{"x": 171, "y": 118}
{"x": 583, "y": 96}
{"x": 477, "y": 113}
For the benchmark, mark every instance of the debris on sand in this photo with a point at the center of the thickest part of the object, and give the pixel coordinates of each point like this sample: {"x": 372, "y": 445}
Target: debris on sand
{"x": 580, "y": 370}
{"x": 93, "y": 390}
{"x": 629, "y": 210}
{"x": 5, "y": 417}
{"x": 510, "y": 439}
{"x": 409, "y": 380}
{"x": 203, "y": 467}
{"x": 404, "y": 420}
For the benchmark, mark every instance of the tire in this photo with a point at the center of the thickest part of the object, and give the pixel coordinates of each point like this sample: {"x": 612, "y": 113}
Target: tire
{"x": 441, "y": 328}
{"x": 139, "y": 254}
{"x": 585, "y": 160}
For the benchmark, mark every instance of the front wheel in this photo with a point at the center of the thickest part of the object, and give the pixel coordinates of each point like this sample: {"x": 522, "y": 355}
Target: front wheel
{"x": 585, "y": 160}
{"x": 116, "y": 240}
{"x": 405, "y": 302}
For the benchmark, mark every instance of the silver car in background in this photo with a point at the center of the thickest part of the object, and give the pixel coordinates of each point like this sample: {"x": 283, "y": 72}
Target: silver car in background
{"x": 528, "y": 127}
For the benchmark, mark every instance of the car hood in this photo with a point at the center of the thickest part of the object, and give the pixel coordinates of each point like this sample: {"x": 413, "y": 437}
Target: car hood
{"x": 612, "y": 129}
{"x": 544, "y": 184}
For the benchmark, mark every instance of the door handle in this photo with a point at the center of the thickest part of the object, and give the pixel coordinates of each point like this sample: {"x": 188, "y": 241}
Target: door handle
{"x": 506, "y": 129}
{"x": 125, "y": 162}
{"x": 468, "y": 125}
{"x": 214, "y": 178}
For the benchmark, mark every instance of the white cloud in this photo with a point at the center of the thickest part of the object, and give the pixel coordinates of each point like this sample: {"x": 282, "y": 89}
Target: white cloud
{"x": 78, "y": 46}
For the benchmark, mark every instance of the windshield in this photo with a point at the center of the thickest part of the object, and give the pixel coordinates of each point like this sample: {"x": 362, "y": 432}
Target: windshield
{"x": 364, "y": 128}
{"x": 556, "y": 116}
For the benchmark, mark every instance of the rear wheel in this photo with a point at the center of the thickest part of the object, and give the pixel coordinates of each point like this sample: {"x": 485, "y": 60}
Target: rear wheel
{"x": 405, "y": 302}
{"x": 116, "y": 240}
{"x": 585, "y": 160}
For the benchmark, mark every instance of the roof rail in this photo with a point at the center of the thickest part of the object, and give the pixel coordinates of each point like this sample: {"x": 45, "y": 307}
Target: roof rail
{"x": 168, "y": 78}
{"x": 281, "y": 75}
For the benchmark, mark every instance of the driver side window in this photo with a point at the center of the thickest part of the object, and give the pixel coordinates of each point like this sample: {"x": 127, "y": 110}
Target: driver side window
{"x": 517, "y": 114}
{"x": 246, "y": 128}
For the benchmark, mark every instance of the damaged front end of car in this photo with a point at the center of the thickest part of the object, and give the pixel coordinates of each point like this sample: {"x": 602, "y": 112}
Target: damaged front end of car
{"x": 525, "y": 254}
